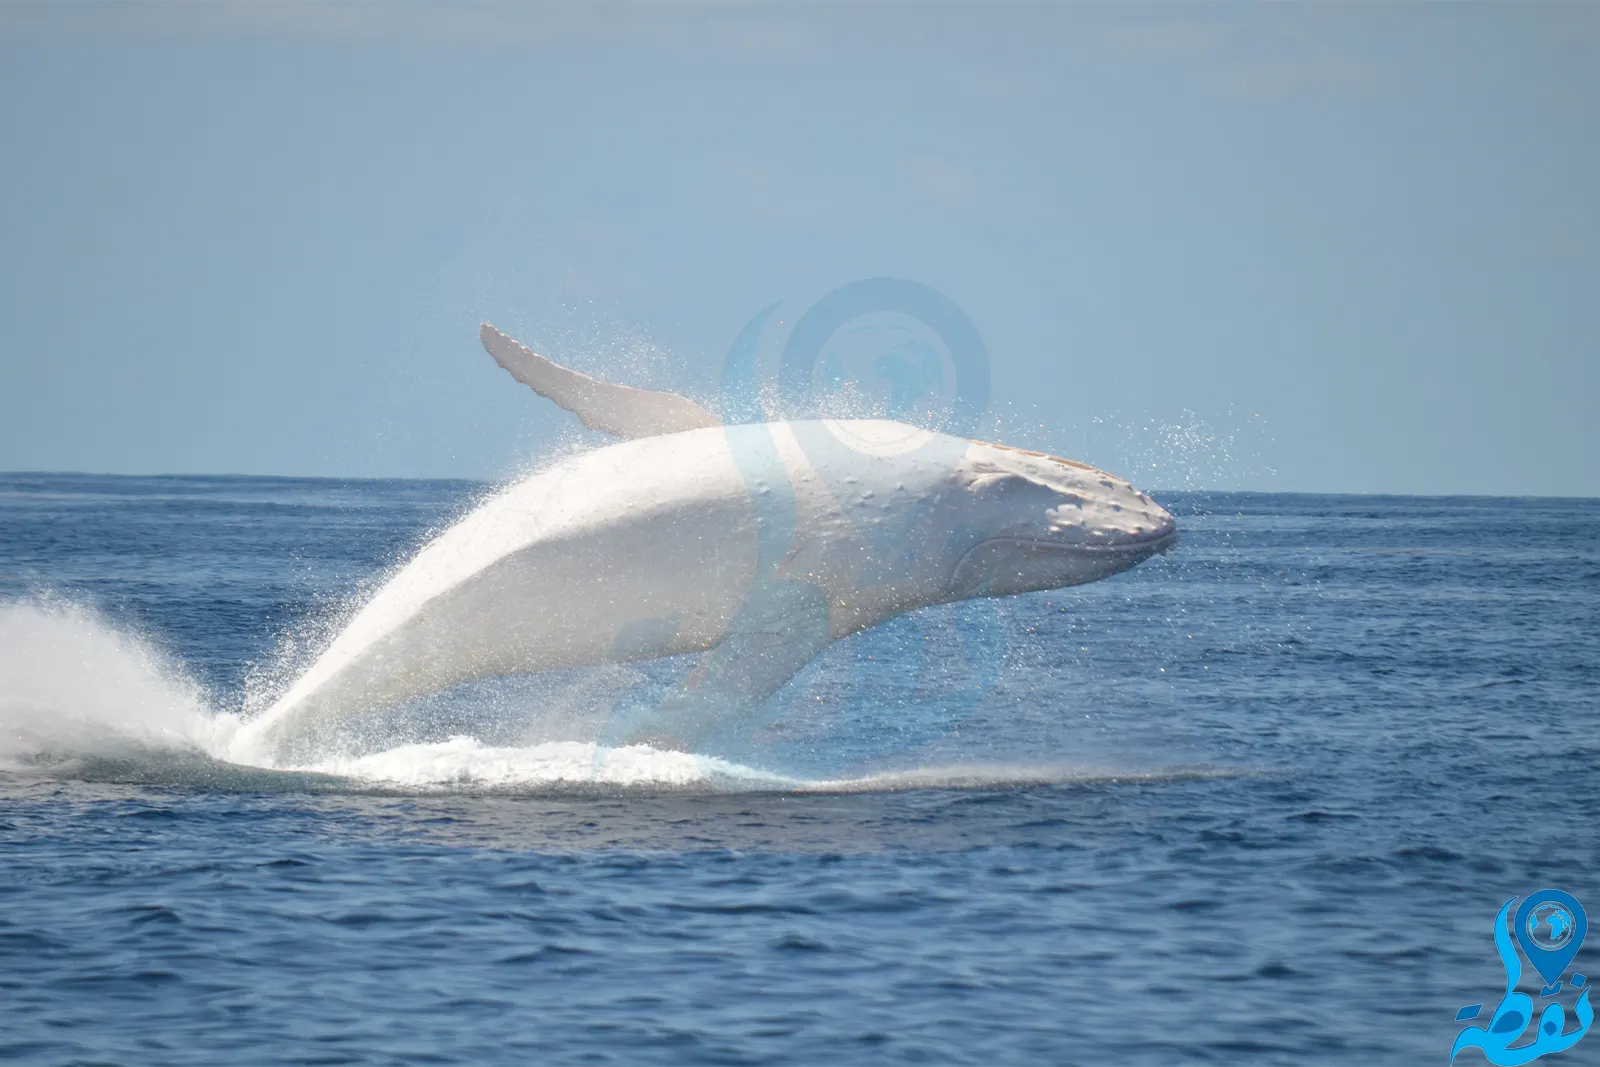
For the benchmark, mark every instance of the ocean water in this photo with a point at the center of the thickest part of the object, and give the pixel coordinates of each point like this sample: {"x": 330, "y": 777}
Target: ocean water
{"x": 1256, "y": 801}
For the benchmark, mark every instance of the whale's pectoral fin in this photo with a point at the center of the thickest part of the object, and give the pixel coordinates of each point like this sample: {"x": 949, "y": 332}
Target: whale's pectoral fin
{"x": 618, "y": 409}
{"x": 781, "y": 629}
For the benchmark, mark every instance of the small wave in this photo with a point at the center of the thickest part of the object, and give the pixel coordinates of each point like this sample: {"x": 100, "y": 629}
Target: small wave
{"x": 1006, "y": 776}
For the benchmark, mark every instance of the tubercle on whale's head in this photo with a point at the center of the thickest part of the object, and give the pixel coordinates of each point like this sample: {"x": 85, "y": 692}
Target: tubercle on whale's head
{"x": 1036, "y": 521}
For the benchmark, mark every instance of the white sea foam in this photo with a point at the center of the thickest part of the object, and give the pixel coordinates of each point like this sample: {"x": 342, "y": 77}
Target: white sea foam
{"x": 465, "y": 762}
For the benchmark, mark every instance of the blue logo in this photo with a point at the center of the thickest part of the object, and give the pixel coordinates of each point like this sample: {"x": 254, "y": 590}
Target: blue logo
{"x": 1549, "y": 926}
{"x": 886, "y": 348}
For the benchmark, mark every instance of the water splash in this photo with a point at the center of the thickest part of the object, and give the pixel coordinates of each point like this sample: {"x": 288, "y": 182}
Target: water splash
{"x": 73, "y": 686}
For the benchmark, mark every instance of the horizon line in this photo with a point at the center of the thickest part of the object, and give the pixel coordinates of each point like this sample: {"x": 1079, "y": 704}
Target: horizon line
{"x": 200, "y": 475}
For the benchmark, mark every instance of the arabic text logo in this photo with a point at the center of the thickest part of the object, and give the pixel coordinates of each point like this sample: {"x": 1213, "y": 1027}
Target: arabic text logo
{"x": 1549, "y": 926}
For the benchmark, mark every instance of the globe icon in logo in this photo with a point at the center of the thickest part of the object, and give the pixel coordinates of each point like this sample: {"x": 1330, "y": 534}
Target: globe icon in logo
{"x": 1550, "y": 926}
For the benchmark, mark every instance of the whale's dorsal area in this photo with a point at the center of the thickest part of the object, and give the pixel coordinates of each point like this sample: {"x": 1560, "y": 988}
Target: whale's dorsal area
{"x": 606, "y": 406}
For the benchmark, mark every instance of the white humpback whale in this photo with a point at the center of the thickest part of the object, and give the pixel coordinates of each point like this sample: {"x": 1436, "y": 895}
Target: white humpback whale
{"x": 758, "y": 544}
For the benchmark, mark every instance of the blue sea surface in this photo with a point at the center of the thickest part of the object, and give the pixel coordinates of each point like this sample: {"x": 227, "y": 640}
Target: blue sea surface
{"x": 1255, "y": 801}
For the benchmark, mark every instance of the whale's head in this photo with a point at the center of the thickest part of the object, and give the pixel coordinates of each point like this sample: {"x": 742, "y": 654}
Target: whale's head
{"x": 1031, "y": 521}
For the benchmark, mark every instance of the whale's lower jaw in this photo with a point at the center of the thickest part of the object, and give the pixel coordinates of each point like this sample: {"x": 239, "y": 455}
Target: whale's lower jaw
{"x": 1005, "y": 566}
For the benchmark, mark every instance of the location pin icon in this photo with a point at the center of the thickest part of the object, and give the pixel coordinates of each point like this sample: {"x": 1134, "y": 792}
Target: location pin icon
{"x": 1562, "y": 919}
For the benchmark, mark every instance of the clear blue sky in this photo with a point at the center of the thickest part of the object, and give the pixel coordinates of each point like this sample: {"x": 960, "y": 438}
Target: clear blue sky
{"x": 1357, "y": 244}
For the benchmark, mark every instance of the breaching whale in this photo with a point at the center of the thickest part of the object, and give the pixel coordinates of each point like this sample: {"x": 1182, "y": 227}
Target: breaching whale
{"x": 758, "y": 544}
